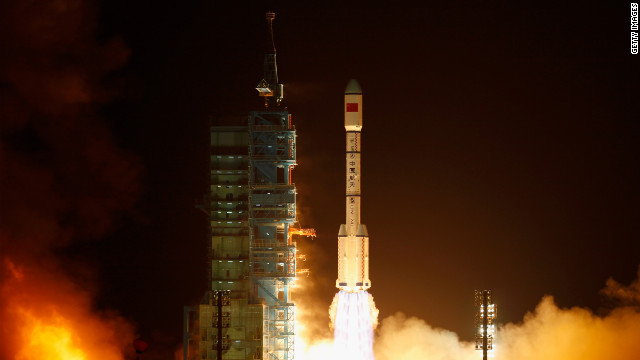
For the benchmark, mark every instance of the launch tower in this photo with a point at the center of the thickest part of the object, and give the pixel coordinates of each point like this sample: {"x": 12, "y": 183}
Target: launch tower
{"x": 486, "y": 313}
{"x": 248, "y": 312}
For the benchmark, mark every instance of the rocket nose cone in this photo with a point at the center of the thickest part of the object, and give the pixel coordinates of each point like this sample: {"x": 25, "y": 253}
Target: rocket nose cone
{"x": 353, "y": 87}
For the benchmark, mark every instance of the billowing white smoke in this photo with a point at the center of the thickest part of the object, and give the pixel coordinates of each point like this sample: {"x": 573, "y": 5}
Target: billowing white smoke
{"x": 410, "y": 338}
{"x": 550, "y": 332}
{"x": 354, "y": 317}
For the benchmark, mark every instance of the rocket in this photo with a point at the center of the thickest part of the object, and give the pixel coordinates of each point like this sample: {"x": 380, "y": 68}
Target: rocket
{"x": 353, "y": 239}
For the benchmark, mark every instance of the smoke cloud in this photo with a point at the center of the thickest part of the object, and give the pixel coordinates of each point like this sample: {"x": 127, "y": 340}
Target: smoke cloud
{"x": 46, "y": 315}
{"x": 413, "y": 338}
{"x": 63, "y": 180}
{"x": 576, "y": 333}
{"x": 626, "y": 295}
{"x": 549, "y": 332}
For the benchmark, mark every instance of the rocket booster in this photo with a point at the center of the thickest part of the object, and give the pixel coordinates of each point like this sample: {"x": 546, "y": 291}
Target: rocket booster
{"x": 353, "y": 239}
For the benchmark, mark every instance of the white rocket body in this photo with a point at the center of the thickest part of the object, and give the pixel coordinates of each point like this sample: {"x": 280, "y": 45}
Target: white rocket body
{"x": 353, "y": 238}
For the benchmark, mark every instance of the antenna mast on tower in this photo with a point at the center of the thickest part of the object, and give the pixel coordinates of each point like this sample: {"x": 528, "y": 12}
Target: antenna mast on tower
{"x": 268, "y": 87}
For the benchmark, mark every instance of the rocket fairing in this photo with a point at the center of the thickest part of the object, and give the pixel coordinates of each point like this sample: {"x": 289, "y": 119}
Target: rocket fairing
{"x": 353, "y": 239}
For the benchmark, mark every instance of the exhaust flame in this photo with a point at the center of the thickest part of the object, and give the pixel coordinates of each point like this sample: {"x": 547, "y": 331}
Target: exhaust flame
{"x": 65, "y": 182}
{"x": 549, "y": 332}
{"x": 354, "y": 316}
{"x": 52, "y": 340}
{"x": 44, "y": 316}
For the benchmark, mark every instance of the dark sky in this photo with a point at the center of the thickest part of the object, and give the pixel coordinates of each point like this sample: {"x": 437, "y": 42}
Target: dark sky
{"x": 501, "y": 144}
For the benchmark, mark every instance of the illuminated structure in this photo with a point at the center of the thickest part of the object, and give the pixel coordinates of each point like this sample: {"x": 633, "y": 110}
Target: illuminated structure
{"x": 486, "y": 313}
{"x": 353, "y": 312}
{"x": 248, "y": 312}
{"x": 353, "y": 238}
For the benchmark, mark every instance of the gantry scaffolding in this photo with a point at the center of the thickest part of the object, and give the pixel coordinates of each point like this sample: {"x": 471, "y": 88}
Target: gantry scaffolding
{"x": 272, "y": 213}
{"x": 485, "y": 315}
{"x": 249, "y": 313}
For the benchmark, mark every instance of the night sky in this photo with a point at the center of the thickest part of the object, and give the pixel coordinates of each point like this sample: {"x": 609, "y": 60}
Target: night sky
{"x": 501, "y": 143}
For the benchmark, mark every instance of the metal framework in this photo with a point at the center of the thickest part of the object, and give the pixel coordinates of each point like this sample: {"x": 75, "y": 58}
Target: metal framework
{"x": 272, "y": 205}
{"x": 485, "y": 315}
{"x": 248, "y": 313}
